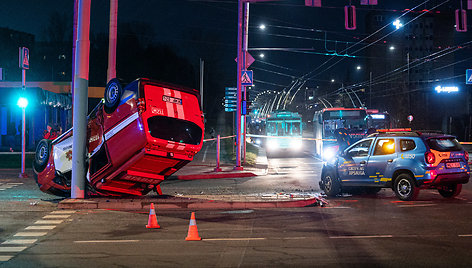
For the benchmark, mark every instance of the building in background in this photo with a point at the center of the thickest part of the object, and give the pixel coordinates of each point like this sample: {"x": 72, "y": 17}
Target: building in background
{"x": 407, "y": 65}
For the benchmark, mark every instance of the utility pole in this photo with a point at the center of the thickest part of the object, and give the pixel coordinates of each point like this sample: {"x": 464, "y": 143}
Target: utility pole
{"x": 111, "y": 72}
{"x": 202, "y": 66}
{"x": 370, "y": 90}
{"x": 81, "y": 76}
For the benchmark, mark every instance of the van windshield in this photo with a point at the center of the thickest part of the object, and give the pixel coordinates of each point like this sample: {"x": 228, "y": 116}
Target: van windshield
{"x": 173, "y": 129}
{"x": 444, "y": 144}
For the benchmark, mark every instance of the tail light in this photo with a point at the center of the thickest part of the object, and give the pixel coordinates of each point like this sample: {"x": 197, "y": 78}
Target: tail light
{"x": 141, "y": 105}
{"x": 429, "y": 157}
{"x": 466, "y": 155}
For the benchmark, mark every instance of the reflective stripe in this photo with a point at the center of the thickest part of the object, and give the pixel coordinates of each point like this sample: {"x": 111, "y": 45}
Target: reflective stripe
{"x": 170, "y": 145}
{"x": 180, "y": 107}
{"x": 193, "y": 222}
{"x": 121, "y": 125}
{"x": 169, "y": 106}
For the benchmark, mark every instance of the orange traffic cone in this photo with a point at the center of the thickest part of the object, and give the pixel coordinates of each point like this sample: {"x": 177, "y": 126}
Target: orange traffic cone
{"x": 152, "y": 222}
{"x": 192, "y": 230}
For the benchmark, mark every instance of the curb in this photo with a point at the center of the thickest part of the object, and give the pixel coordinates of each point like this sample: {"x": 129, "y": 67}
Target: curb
{"x": 216, "y": 176}
{"x": 181, "y": 203}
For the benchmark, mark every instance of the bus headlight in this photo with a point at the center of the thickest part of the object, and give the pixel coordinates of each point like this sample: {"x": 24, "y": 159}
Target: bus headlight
{"x": 272, "y": 144}
{"x": 296, "y": 144}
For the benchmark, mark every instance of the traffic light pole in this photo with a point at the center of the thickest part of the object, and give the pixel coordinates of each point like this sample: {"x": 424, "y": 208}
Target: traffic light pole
{"x": 23, "y": 128}
{"x": 238, "y": 94}
{"x": 245, "y": 42}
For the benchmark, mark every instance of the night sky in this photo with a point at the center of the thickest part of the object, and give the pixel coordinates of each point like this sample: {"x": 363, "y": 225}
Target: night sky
{"x": 173, "y": 21}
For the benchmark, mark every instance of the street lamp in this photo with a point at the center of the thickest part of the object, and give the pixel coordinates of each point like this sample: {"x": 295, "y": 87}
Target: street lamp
{"x": 398, "y": 24}
{"x": 262, "y": 27}
{"x": 23, "y": 103}
{"x": 261, "y": 55}
{"x": 358, "y": 67}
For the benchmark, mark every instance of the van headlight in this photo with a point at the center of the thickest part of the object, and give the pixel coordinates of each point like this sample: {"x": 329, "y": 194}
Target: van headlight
{"x": 329, "y": 154}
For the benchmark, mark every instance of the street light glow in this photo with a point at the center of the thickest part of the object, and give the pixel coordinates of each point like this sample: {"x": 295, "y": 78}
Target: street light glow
{"x": 391, "y": 47}
{"x": 397, "y": 24}
{"x": 447, "y": 89}
{"x": 332, "y": 80}
{"x": 261, "y": 55}
{"x": 358, "y": 67}
{"x": 22, "y": 102}
{"x": 262, "y": 27}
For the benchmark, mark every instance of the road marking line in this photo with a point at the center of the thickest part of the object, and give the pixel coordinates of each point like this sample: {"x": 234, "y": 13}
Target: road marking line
{"x": 461, "y": 198}
{"x": 57, "y": 216}
{"x": 5, "y": 258}
{"x": 465, "y": 235}
{"x": 12, "y": 249}
{"x": 30, "y": 234}
{"x": 234, "y": 239}
{"x": 1, "y": 189}
{"x": 49, "y": 222}
{"x": 361, "y": 236}
{"x": 63, "y": 212}
{"x": 107, "y": 241}
{"x": 337, "y": 207}
{"x": 19, "y": 241}
{"x": 15, "y": 183}
{"x": 40, "y": 227}
{"x": 420, "y": 205}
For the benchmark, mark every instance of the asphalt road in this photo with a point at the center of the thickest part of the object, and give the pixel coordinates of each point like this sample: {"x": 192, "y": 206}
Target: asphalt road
{"x": 353, "y": 230}
{"x": 371, "y": 231}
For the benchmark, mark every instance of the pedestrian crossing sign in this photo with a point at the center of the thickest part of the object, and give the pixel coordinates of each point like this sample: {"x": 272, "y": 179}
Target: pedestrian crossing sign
{"x": 468, "y": 76}
{"x": 24, "y": 58}
{"x": 246, "y": 78}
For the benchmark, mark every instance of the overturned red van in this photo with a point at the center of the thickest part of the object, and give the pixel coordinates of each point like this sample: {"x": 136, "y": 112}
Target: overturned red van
{"x": 137, "y": 136}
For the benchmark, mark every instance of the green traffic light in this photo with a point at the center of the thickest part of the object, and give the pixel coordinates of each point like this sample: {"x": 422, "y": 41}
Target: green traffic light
{"x": 22, "y": 102}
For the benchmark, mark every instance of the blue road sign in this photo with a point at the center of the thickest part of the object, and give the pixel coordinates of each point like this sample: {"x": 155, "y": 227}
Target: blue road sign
{"x": 468, "y": 76}
{"x": 246, "y": 78}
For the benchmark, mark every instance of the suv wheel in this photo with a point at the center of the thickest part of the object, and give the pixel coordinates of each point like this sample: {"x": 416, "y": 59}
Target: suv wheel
{"x": 450, "y": 191}
{"x": 331, "y": 184}
{"x": 405, "y": 188}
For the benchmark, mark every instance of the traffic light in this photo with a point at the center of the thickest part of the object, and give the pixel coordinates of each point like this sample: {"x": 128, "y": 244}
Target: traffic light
{"x": 22, "y": 102}
{"x": 350, "y": 17}
{"x": 313, "y": 3}
{"x": 461, "y": 20}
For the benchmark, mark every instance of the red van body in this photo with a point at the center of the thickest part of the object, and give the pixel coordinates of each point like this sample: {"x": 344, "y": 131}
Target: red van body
{"x": 154, "y": 130}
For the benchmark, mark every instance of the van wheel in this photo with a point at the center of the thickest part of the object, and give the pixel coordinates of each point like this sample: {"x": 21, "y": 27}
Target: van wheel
{"x": 41, "y": 157}
{"x": 331, "y": 185}
{"x": 113, "y": 93}
{"x": 450, "y": 191}
{"x": 405, "y": 188}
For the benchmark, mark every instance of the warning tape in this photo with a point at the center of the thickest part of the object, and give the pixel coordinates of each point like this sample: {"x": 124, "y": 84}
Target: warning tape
{"x": 288, "y": 137}
{"x": 298, "y": 138}
{"x": 221, "y": 138}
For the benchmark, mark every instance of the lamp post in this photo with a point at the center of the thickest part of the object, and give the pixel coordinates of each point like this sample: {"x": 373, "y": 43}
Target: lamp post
{"x": 23, "y": 103}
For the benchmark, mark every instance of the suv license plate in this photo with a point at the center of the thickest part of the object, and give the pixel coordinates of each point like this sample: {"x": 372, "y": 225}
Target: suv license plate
{"x": 453, "y": 165}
